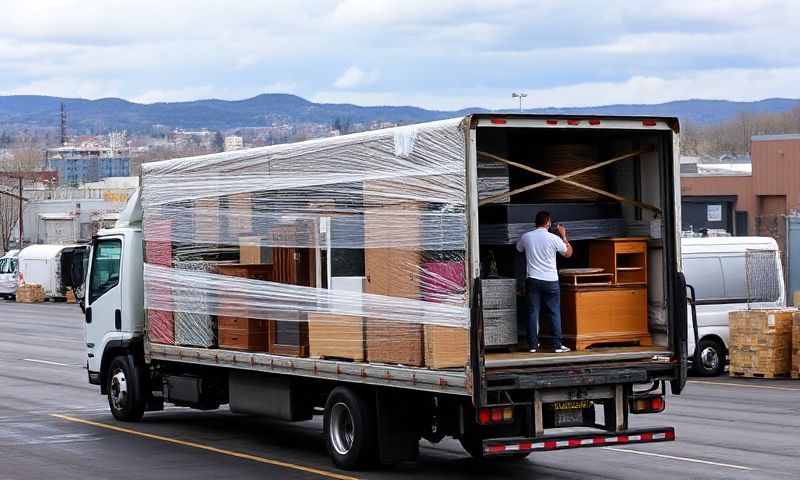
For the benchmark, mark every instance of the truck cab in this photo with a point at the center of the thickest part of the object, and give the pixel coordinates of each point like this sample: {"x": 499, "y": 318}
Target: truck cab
{"x": 113, "y": 299}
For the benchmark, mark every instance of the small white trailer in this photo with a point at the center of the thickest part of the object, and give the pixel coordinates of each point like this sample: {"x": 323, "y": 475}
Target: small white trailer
{"x": 43, "y": 265}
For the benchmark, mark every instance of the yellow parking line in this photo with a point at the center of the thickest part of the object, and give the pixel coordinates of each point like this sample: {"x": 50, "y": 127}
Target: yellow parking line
{"x": 245, "y": 456}
{"x": 728, "y": 384}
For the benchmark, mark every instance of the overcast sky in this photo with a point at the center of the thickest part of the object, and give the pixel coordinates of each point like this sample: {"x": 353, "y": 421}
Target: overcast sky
{"x": 437, "y": 54}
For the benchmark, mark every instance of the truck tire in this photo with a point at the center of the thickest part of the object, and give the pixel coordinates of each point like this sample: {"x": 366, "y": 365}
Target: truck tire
{"x": 709, "y": 358}
{"x": 126, "y": 397}
{"x": 350, "y": 429}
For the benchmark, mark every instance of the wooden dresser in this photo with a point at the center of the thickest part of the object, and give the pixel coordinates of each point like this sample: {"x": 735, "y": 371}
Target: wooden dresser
{"x": 614, "y": 313}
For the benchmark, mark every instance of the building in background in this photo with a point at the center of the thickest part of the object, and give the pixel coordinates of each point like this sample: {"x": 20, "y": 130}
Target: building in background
{"x": 76, "y": 165}
{"x": 757, "y": 200}
{"x": 73, "y": 214}
{"x": 233, "y": 142}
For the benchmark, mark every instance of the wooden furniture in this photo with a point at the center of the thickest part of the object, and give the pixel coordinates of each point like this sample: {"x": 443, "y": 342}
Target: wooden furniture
{"x": 393, "y": 272}
{"x": 235, "y": 329}
{"x": 624, "y": 257}
{"x": 602, "y": 315}
{"x": 294, "y": 266}
{"x": 337, "y": 336}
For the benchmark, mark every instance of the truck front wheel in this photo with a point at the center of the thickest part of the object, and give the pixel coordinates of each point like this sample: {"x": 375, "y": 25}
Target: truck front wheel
{"x": 350, "y": 429}
{"x": 125, "y": 395}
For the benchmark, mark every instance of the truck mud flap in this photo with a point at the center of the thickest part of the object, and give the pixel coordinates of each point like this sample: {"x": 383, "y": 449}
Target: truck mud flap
{"x": 508, "y": 446}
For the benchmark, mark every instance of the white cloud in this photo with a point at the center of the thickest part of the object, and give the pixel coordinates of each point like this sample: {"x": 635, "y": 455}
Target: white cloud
{"x": 443, "y": 54}
{"x": 729, "y": 84}
{"x": 355, "y": 77}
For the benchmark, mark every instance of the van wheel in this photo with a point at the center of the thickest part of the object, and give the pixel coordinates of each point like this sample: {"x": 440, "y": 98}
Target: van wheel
{"x": 350, "y": 429}
{"x": 709, "y": 358}
{"x": 125, "y": 395}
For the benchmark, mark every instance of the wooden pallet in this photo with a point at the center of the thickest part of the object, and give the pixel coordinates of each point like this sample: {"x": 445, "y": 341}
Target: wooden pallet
{"x": 755, "y": 374}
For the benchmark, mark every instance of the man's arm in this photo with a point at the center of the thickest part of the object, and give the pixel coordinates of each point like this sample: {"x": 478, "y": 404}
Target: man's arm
{"x": 520, "y": 245}
{"x": 562, "y": 232}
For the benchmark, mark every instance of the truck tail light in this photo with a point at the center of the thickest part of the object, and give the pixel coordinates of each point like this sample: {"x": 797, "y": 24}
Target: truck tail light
{"x": 493, "y": 415}
{"x": 648, "y": 404}
{"x": 552, "y": 122}
{"x": 649, "y": 123}
{"x": 594, "y": 121}
{"x": 498, "y": 121}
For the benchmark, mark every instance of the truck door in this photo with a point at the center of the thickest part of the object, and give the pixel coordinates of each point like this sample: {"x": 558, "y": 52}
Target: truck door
{"x": 103, "y": 297}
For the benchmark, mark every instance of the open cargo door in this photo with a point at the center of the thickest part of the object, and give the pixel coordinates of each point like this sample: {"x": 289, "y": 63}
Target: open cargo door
{"x": 73, "y": 269}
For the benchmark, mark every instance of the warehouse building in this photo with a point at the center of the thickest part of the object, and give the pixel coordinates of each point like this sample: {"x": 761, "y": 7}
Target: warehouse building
{"x": 743, "y": 202}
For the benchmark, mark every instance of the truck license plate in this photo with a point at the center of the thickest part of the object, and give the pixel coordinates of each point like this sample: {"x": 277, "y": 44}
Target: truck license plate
{"x": 568, "y": 418}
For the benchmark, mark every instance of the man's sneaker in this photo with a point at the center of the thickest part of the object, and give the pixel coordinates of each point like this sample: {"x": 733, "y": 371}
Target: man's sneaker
{"x": 562, "y": 349}
{"x": 534, "y": 350}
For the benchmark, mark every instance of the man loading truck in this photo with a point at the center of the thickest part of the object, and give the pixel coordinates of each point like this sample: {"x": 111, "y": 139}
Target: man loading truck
{"x": 543, "y": 291}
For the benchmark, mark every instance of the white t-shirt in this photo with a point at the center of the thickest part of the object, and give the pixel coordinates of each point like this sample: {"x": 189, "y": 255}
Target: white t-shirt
{"x": 541, "y": 248}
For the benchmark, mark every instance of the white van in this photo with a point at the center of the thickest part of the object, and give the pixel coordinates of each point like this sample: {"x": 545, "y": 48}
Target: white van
{"x": 728, "y": 273}
{"x": 8, "y": 274}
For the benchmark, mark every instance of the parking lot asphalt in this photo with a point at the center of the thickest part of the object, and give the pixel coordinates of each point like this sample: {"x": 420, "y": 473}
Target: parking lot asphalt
{"x": 54, "y": 424}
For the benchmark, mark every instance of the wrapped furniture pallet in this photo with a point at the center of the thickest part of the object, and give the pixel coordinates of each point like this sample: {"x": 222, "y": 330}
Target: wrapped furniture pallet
{"x": 392, "y": 203}
{"x": 761, "y": 342}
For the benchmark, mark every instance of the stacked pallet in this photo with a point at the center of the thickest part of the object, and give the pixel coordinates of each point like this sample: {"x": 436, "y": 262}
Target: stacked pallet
{"x": 30, "y": 293}
{"x": 796, "y": 346}
{"x": 761, "y": 342}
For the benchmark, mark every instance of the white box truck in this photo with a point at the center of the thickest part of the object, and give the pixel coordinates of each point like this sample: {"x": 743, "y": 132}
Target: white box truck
{"x": 427, "y": 187}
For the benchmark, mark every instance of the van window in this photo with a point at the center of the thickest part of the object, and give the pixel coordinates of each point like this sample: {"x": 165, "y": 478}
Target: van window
{"x": 705, "y": 275}
{"x": 5, "y": 265}
{"x": 735, "y": 275}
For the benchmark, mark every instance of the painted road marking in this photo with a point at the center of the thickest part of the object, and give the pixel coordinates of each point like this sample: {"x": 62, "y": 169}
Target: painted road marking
{"x": 231, "y": 453}
{"x": 683, "y": 459}
{"x": 727, "y": 384}
{"x": 48, "y": 362}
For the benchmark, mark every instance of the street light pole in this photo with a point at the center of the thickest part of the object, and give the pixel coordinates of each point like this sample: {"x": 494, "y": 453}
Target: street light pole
{"x": 519, "y": 95}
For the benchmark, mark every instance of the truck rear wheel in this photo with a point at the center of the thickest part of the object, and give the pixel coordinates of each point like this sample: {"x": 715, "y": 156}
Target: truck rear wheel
{"x": 125, "y": 395}
{"x": 350, "y": 429}
{"x": 709, "y": 358}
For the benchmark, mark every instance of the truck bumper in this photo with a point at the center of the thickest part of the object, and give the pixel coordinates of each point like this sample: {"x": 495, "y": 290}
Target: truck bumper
{"x": 507, "y": 446}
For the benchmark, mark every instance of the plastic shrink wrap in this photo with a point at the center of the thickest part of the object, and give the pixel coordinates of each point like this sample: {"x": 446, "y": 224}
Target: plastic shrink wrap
{"x": 348, "y": 247}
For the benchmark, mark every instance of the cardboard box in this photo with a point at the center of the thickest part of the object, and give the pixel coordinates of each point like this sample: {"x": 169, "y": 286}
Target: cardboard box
{"x": 30, "y": 293}
{"x": 446, "y": 347}
{"x": 761, "y": 342}
{"x": 337, "y": 336}
{"x": 253, "y": 251}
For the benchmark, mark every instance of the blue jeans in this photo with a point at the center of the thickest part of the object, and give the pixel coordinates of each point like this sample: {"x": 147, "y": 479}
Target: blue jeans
{"x": 543, "y": 297}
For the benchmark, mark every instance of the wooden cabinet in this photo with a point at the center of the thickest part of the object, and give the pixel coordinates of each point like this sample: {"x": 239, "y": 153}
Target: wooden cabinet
{"x": 236, "y": 329}
{"x": 625, "y": 258}
{"x": 604, "y": 315}
{"x": 393, "y": 272}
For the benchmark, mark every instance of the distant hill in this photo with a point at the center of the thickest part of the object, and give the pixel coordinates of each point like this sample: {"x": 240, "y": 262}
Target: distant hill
{"x": 698, "y": 111}
{"x": 96, "y": 116}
